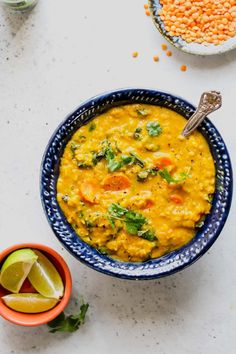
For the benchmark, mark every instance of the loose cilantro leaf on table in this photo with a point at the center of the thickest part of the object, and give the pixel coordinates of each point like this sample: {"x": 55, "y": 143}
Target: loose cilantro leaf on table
{"x": 71, "y": 323}
{"x": 154, "y": 128}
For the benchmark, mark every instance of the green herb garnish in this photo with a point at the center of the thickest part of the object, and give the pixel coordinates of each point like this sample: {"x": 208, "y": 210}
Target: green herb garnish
{"x": 142, "y": 112}
{"x": 73, "y": 148}
{"x": 154, "y": 128}
{"x": 116, "y": 211}
{"x": 147, "y": 234}
{"x": 143, "y": 175}
{"x": 210, "y": 198}
{"x": 65, "y": 198}
{"x": 103, "y": 250}
{"x": 137, "y": 160}
{"x": 83, "y": 165}
{"x": 133, "y": 221}
{"x": 165, "y": 174}
{"x": 137, "y": 135}
{"x": 113, "y": 163}
{"x": 88, "y": 224}
{"x": 201, "y": 221}
{"x": 92, "y": 127}
{"x": 71, "y": 323}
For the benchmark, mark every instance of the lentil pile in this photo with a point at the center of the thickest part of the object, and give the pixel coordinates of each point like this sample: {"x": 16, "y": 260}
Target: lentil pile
{"x": 200, "y": 21}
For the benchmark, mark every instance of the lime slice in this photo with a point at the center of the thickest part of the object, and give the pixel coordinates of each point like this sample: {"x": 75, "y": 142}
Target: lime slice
{"x": 29, "y": 303}
{"x": 16, "y": 268}
{"x": 45, "y": 278}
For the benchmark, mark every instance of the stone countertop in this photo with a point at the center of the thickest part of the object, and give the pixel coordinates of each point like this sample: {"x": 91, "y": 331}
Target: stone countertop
{"x": 51, "y": 60}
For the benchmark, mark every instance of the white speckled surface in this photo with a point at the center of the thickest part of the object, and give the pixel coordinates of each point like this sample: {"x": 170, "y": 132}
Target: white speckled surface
{"x": 50, "y": 61}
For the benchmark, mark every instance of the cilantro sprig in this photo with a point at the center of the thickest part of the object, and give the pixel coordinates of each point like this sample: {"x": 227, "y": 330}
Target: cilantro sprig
{"x": 165, "y": 174}
{"x": 113, "y": 162}
{"x": 71, "y": 323}
{"x": 133, "y": 221}
{"x": 154, "y": 129}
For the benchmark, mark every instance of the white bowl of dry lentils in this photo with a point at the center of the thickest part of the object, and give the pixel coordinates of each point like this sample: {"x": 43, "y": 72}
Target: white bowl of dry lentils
{"x": 203, "y": 27}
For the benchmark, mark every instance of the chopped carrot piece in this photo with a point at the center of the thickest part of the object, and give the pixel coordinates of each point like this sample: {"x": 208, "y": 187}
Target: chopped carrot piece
{"x": 116, "y": 182}
{"x": 147, "y": 203}
{"x": 162, "y": 162}
{"x": 176, "y": 198}
{"x": 89, "y": 192}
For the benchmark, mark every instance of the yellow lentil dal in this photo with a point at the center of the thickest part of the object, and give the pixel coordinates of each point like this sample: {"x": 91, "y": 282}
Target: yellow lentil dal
{"x": 131, "y": 186}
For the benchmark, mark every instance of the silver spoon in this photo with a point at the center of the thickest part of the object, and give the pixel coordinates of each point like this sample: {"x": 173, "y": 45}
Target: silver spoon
{"x": 209, "y": 102}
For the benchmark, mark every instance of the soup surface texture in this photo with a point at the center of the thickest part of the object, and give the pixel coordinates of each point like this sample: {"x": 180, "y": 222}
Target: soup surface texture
{"x": 131, "y": 186}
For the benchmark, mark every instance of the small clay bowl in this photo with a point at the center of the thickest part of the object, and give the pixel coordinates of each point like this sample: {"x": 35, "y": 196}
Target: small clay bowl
{"x": 36, "y": 319}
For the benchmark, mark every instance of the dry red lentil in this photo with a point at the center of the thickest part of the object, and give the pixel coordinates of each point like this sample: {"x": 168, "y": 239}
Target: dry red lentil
{"x": 148, "y": 13}
{"x": 146, "y": 6}
{"x": 200, "y": 21}
{"x": 156, "y": 58}
{"x": 169, "y": 53}
{"x": 183, "y": 67}
{"x": 164, "y": 46}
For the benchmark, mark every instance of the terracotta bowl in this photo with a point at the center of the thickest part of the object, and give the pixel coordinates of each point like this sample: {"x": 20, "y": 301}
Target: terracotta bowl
{"x": 25, "y": 319}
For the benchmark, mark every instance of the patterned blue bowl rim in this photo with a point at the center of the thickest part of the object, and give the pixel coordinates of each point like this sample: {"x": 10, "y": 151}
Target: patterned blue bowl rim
{"x": 155, "y": 268}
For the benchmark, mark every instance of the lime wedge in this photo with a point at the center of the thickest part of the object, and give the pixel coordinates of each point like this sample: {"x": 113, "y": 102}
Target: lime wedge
{"x": 16, "y": 268}
{"x": 29, "y": 303}
{"x": 45, "y": 278}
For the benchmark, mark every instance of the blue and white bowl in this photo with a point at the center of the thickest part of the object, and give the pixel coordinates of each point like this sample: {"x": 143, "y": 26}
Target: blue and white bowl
{"x": 153, "y": 268}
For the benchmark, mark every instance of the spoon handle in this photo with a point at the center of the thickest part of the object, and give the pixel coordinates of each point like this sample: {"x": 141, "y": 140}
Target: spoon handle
{"x": 209, "y": 102}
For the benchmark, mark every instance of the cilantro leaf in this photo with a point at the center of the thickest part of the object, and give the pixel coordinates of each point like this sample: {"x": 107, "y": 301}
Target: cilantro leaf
{"x": 165, "y": 174}
{"x": 84, "y": 165}
{"x": 134, "y": 222}
{"x": 92, "y": 127}
{"x": 73, "y": 148}
{"x": 137, "y": 135}
{"x": 143, "y": 175}
{"x": 71, "y": 323}
{"x": 115, "y": 210}
{"x": 147, "y": 235}
{"x": 137, "y": 160}
{"x": 200, "y": 222}
{"x": 142, "y": 112}
{"x": 98, "y": 156}
{"x": 154, "y": 128}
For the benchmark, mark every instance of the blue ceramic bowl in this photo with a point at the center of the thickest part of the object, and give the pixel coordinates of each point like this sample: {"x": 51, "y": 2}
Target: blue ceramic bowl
{"x": 154, "y": 268}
